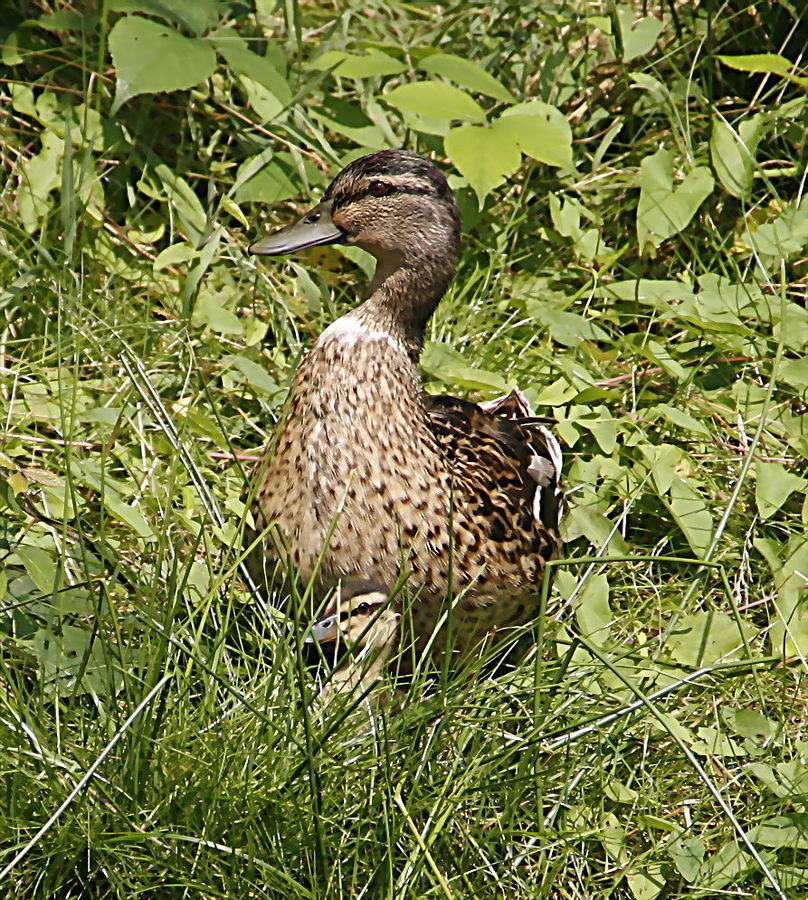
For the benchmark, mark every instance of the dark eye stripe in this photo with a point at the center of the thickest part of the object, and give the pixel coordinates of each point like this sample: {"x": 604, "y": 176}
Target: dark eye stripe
{"x": 369, "y": 608}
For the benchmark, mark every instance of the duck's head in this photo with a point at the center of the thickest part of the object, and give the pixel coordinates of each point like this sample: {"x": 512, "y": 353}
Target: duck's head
{"x": 395, "y": 204}
{"x": 359, "y": 616}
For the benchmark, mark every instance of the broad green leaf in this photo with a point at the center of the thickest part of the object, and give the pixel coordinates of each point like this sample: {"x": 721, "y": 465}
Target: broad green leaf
{"x": 196, "y": 15}
{"x": 638, "y": 37}
{"x": 646, "y": 883}
{"x": 788, "y": 628}
{"x": 540, "y": 131}
{"x": 270, "y": 184}
{"x": 129, "y": 515}
{"x": 41, "y": 566}
{"x": 151, "y": 58}
{"x": 436, "y": 99}
{"x": 794, "y": 372}
{"x": 483, "y": 155}
{"x": 592, "y": 611}
{"x": 663, "y": 461}
{"x": 712, "y": 742}
{"x": 749, "y": 724}
{"x": 174, "y": 255}
{"x": 663, "y": 211}
{"x": 613, "y": 839}
{"x": 655, "y": 352}
{"x": 595, "y": 527}
{"x": 444, "y": 362}
{"x": 258, "y": 68}
{"x": 565, "y": 327}
{"x": 774, "y": 485}
{"x": 733, "y": 153}
{"x": 359, "y": 65}
{"x": 467, "y": 74}
{"x": 788, "y": 831}
{"x": 704, "y": 638}
{"x": 782, "y": 237}
{"x": 209, "y": 311}
{"x": 764, "y": 64}
{"x": 692, "y": 516}
{"x": 687, "y": 854}
{"x": 256, "y": 375}
{"x": 679, "y": 418}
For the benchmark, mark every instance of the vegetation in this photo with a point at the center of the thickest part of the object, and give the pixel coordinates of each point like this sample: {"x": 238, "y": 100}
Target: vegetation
{"x": 633, "y": 188}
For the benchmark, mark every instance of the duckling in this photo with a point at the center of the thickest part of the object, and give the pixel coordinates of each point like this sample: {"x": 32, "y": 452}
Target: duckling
{"x": 361, "y": 619}
{"x": 365, "y": 474}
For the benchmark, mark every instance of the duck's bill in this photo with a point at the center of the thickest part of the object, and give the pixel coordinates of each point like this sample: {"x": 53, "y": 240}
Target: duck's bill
{"x": 315, "y": 228}
{"x": 322, "y": 632}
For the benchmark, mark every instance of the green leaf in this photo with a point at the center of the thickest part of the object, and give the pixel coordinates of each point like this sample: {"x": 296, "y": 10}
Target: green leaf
{"x": 467, "y": 74}
{"x": 370, "y": 64}
{"x": 764, "y": 64}
{"x": 209, "y": 311}
{"x": 704, "y": 638}
{"x": 435, "y": 99}
{"x": 794, "y": 372}
{"x": 130, "y": 515}
{"x": 257, "y": 68}
{"x": 789, "y": 831}
{"x": 783, "y": 236}
{"x": 637, "y": 37}
{"x": 692, "y": 516}
{"x": 775, "y": 484}
{"x": 733, "y": 153}
{"x": 539, "y": 130}
{"x": 444, "y": 362}
{"x": 662, "y": 211}
{"x": 788, "y": 622}
{"x": 483, "y": 156}
{"x": 647, "y": 883}
{"x": 196, "y": 15}
{"x": 660, "y": 355}
{"x": 663, "y": 461}
{"x": 687, "y": 854}
{"x": 270, "y": 184}
{"x": 41, "y": 567}
{"x": 592, "y": 611}
{"x": 190, "y": 212}
{"x": 680, "y": 418}
{"x": 150, "y": 58}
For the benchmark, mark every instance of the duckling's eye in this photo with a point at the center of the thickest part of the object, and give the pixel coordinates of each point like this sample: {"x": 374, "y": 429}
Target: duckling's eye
{"x": 379, "y": 189}
{"x": 362, "y": 608}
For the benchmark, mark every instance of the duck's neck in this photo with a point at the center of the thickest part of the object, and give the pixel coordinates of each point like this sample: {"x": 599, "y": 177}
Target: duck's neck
{"x": 404, "y": 293}
{"x": 364, "y": 670}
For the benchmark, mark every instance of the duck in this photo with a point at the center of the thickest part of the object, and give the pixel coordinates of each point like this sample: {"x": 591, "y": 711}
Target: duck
{"x": 361, "y": 620}
{"x": 366, "y": 475}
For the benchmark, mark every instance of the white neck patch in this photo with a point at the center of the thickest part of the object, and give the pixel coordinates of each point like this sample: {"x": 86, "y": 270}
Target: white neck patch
{"x": 350, "y": 331}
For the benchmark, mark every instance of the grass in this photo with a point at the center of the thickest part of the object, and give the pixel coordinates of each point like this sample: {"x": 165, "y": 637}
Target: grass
{"x": 157, "y": 731}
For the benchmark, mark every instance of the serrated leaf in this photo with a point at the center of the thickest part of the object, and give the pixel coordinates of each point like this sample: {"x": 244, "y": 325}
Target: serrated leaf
{"x": 692, "y": 516}
{"x": 540, "y": 131}
{"x": 483, "y": 156}
{"x": 359, "y": 65}
{"x": 151, "y": 58}
{"x": 775, "y": 484}
{"x": 467, "y": 74}
{"x": 663, "y": 211}
{"x": 435, "y": 99}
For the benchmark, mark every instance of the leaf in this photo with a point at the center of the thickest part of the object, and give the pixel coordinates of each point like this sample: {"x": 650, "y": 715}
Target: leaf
{"x": 151, "y": 58}
{"x": 540, "y": 131}
{"x": 788, "y": 622}
{"x": 775, "y": 484}
{"x": 637, "y": 37}
{"x": 190, "y": 212}
{"x": 660, "y": 355}
{"x": 692, "y": 516}
{"x": 196, "y": 15}
{"x": 750, "y": 724}
{"x": 782, "y": 237}
{"x": 257, "y": 68}
{"x": 130, "y": 515}
{"x": 789, "y": 831}
{"x": 704, "y": 638}
{"x": 592, "y": 611}
{"x": 444, "y": 362}
{"x": 435, "y": 99}
{"x": 41, "y": 567}
{"x": 466, "y": 73}
{"x": 210, "y": 312}
{"x": 764, "y": 64}
{"x": 483, "y": 156}
{"x": 270, "y": 184}
{"x": 733, "y": 153}
{"x": 663, "y": 460}
{"x": 687, "y": 854}
{"x": 359, "y": 65}
{"x": 646, "y": 884}
{"x": 662, "y": 211}
{"x": 680, "y": 418}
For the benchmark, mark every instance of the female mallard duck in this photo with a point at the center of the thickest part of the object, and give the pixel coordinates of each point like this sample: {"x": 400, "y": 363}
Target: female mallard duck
{"x": 367, "y": 475}
{"x": 361, "y": 620}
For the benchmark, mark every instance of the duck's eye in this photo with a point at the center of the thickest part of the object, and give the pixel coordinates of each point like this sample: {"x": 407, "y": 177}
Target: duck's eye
{"x": 362, "y": 608}
{"x": 379, "y": 189}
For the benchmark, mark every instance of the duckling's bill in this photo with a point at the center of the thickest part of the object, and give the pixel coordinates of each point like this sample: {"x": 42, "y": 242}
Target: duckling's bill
{"x": 322, "y": 632}
{"x": 315, "y": 228}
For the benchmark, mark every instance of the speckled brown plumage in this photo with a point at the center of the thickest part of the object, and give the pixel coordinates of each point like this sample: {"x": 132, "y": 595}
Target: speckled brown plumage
{"x": 435, "y": 486}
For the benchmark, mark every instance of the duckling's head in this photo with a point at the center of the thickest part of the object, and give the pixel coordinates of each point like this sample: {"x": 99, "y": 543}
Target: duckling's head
{"x": 359, "y": 616}
{"x": 395, "y": 204}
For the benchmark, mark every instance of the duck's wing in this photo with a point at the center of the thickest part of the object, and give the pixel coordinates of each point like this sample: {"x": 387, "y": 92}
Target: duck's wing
{"x": 506, "y": 450}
